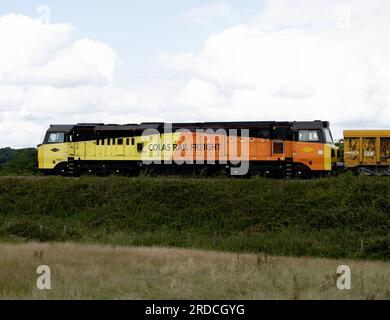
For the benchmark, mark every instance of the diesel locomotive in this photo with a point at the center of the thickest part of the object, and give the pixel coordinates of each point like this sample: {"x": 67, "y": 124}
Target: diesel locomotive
{"x": 281, "y": 149}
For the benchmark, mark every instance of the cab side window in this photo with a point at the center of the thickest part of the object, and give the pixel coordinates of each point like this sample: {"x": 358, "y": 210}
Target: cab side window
{"x": 308, "y": 135}
{"x": 58, "y": 137}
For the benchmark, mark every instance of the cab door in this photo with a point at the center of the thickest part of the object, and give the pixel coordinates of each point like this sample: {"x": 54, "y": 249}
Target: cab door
{"x": 55, "y": 151}
{"x": 308, "y": 149}
{"x": 70, "y": 145}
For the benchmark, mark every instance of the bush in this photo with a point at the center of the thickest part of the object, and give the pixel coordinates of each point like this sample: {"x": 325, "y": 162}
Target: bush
{"x": 345, "y": 217}
{"x": 18, "y": 162}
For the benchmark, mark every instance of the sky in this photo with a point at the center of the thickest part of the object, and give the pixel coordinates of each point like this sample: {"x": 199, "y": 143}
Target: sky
{"x": 121, "y": 61}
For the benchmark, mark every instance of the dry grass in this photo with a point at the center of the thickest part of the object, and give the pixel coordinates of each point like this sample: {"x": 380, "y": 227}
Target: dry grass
{"x": 107, "y": 272}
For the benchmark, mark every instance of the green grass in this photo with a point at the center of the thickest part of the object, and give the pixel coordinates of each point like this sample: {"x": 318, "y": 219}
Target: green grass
{"x": 344, "y": 217}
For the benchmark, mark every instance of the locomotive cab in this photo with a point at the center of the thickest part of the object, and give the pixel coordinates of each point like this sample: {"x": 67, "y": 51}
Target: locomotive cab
{"x": 56, "y": 148}
{"x": 314, "y": 146}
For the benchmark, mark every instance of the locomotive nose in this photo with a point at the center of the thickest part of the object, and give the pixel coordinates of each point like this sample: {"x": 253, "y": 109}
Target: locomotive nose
{"x": 39, "y": 159}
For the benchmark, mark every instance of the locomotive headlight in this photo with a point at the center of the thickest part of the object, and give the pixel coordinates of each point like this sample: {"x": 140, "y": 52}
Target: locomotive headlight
{"x": 321, "y": 152}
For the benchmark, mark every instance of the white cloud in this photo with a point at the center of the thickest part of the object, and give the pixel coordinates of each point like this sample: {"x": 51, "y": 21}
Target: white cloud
{"x": 39, "y": 106}
{"x": 201, "y": 94}
{"x": 10, "y": 97}
{"x": 47, "y": 76}
{"x": 208, "y": 13}
{"x": 86, "y": 62}
{"x": 299, "y": 60}
{"x": 26, "y": 42}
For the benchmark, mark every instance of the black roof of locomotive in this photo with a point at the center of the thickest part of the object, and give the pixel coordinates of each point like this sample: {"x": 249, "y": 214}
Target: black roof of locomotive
{"x": 99, "y": 127}
{"x": 61, "y": 128}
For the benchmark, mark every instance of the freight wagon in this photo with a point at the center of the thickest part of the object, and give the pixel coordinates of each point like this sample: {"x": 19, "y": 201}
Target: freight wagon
{"x": 367, "y": 151}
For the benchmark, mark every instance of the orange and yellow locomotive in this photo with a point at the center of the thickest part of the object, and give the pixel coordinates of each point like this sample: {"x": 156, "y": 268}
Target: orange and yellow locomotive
{"x": 266, "y": 148}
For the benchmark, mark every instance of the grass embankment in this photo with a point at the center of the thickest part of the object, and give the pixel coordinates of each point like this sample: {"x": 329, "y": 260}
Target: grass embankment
{"x": 345, "y": 217}
{"x": 104, "y": 272}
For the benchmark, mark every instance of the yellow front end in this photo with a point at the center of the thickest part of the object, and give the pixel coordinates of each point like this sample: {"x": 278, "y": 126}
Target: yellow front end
{"x": 50, "y": 155}
{"x": 330, "y": 156}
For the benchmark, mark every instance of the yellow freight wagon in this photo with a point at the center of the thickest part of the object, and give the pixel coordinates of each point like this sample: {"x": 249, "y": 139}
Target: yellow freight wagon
{"x": 367, "y": 151}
